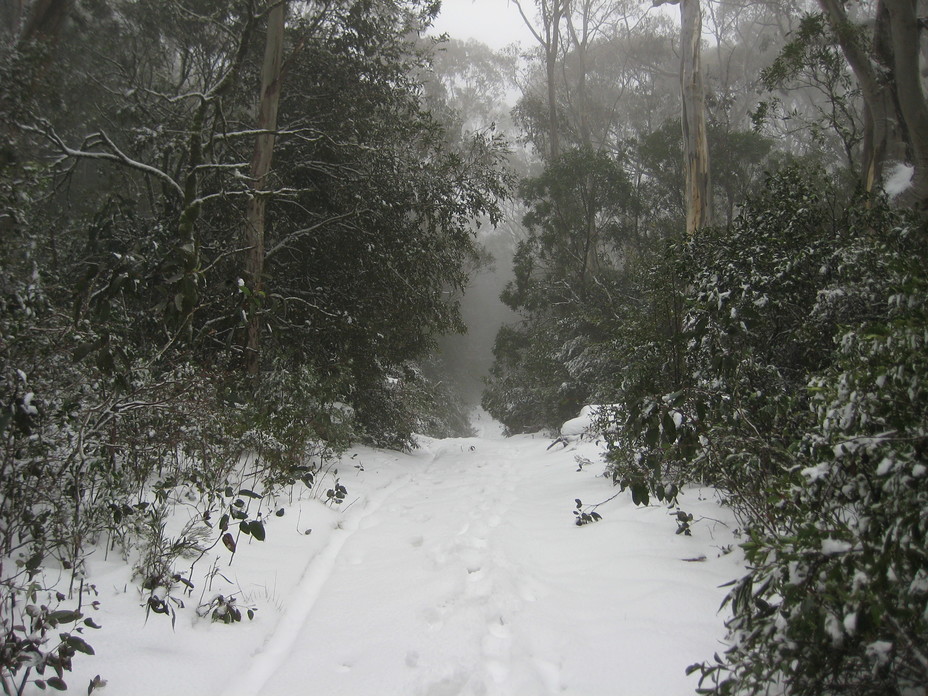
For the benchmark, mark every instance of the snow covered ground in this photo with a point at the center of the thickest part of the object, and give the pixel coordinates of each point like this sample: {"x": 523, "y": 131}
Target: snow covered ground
{"x": 456, "y": 569}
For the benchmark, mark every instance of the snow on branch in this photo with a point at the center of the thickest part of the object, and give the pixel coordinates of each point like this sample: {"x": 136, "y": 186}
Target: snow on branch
{"x": 110, "y": 152}
{"x": 293, "y": 236}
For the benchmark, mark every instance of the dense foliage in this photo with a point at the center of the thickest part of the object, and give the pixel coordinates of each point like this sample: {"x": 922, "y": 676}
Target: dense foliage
{"x": 126, "y": 301}
{"x": 804, "y": 404}
{"x": 576, "y": 235}
{"x": 777, "y": 354}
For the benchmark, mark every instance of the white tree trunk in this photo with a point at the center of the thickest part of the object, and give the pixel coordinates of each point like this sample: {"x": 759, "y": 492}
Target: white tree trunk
{"x": 260, "y": 166}
{"x": 695, "y": 142}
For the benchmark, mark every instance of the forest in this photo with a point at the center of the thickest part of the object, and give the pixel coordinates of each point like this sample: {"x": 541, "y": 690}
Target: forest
{"x": 238, "y": 227}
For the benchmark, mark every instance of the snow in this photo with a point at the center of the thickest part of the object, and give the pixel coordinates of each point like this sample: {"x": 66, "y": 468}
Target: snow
{"x": 835, "y": 547}
{"x": 585, "y": 423}
{"x": 456, "y": 569}
{"x": 898, "y": 179}
{"x": 879, "y": 651}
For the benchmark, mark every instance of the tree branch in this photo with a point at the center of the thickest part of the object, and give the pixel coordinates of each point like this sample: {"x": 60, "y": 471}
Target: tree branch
{"x": 113, "y": 155}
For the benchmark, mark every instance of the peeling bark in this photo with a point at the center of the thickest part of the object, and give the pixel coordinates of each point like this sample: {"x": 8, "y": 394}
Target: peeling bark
{"x": 698, "y": 184}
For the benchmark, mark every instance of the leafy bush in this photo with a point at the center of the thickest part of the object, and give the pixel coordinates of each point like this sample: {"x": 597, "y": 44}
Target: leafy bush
{"x": 804, "y": 402}
{"x": 404, "y": 402}
{"x": 39, "y": 635}
{"x": 835, "y": 599}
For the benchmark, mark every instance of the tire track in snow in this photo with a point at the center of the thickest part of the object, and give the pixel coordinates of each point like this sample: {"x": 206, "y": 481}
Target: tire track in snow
{"x": 281, "y": 642}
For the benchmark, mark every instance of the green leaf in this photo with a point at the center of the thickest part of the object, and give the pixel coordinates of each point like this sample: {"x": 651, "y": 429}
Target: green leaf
{"x": 34, "y": 561}
{"x": 249, "y": 494}
{"x": 79, "y": 644}
{"x": 257, "y": 530}
{"x": 57, "y": 683}
{"x": 223, "y": 523}
{"x": 640, "y": 494}
{"x": 83, "y": 350}
{"x": 94, "y": 683}
{"x": 670, "y": 428}
{"x": 651, "y": 436}
{"x": 63, "y": 616}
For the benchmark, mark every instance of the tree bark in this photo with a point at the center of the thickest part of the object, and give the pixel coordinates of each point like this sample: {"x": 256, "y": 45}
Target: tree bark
{"x": 551, "y": 49}
{"x": 271, "y": 72}
{"x": 695, "y": 141}
{"x": 884, "y": 137}
{"x": 903, "y": 24}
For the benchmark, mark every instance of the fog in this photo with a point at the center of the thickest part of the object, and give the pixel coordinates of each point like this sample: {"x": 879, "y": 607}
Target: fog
{"x": 465, "y": 359}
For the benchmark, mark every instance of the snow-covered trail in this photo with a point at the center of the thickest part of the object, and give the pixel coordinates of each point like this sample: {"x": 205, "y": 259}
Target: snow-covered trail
{"x": 460, "y": 571}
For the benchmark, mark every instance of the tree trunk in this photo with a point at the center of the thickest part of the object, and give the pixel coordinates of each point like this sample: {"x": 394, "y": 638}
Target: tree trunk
{"x": 548, "y": 37}
{"x": 551, "y": 50}
{"x": 260, "y": 166}
{"x": 46, "y": 20}
{"x": 581, "y": 44}
{"x": 903, "y": 26}
{"x": 884, "y": 138}
{"x": 695, "y": 142}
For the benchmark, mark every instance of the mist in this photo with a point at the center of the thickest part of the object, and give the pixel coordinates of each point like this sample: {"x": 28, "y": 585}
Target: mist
{"x": 465, "y": 359}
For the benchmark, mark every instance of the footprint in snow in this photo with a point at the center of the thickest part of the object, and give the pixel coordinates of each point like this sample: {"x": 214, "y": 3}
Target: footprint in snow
{"x": 496, "y": 649}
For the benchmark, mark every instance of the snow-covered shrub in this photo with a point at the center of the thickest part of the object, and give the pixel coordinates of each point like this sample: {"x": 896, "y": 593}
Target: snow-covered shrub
{"x": 39, "y": 636}
{"x": 405, "y": 402}
{"x": 836, "y": 600}
{"x": 288, "y": 425}
{"x": 754, "y": 336}
{"x": 528, "y": 388}
{"x": 649, "y": 454}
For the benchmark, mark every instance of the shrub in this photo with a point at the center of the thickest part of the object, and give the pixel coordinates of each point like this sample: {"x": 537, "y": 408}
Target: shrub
{"x": 834, "y": 600}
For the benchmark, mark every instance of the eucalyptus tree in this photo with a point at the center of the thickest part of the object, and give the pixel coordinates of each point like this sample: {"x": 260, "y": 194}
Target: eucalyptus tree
{"x": 698, "y": 188}
{"x": 887, "y": 66}
{"x": 547, "y": 32}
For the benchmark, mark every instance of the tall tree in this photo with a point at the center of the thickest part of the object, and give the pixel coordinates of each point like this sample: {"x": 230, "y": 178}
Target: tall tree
{"x": 548, "y": 36}
{"x": 888, "y": 72}
{"x": 695, "y": 138}
{"x": 266, "y": 127}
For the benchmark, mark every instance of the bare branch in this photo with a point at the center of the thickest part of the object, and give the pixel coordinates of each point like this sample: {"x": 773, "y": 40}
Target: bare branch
{"x": 293, "y": 236}
{"x": 114, "y": 155}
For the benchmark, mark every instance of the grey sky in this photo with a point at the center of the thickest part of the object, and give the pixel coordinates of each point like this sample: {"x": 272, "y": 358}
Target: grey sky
{"x": 494, "y": 22}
